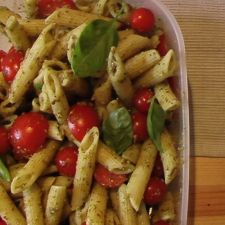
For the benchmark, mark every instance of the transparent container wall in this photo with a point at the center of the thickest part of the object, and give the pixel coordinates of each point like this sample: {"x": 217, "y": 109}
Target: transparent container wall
{"x": 181, "y": 127}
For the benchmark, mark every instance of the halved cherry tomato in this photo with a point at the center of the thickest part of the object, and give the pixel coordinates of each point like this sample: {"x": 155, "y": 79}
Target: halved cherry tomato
{"x": 158, "y": 168}
{"x": 162, "y": 46}
{"x": 161, "y": 222}
{"x": 2, "y": 55}
{"x": 2, "y": 222}
{"x": 28, "y": 133}
{"x": 82, "y": 117}
{"x": 140, "y": 132}
{"x": 108, "y": 179}
{"x": 66, "y": 160}
{"x": 10, "y": 64}
{"x": 155, "y": 191}
{"x": 142, "y": 98}
{"x": 142, "y": 20}
{"x": 46, "y": 7}
{"x": 4, "y": 141}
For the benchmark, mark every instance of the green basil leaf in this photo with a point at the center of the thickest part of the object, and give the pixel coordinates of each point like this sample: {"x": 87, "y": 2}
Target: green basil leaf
{"x": 117, "y": 130}
{"x": 156, "y": 123}
{"x": 38, "y": 86}
{"x": 4, "y": 172}
{"x": 93, "y": 46}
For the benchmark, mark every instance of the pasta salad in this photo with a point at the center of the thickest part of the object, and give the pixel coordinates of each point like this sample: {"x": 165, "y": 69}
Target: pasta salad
{"x": 86, "y": 98}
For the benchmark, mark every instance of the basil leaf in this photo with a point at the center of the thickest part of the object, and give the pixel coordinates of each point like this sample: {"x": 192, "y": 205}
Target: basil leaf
{"x": 93, "y": 46}
{"x": 156, "y": 123}
{"x": 38, "y": 86}
{"x": 4, "y": 173}
{"x": 117, "y": 130}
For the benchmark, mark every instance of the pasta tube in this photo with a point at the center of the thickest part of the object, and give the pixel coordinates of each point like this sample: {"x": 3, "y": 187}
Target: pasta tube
{"x": 140, "y": 177}
{"x": 132, "y": 153}
{"x": 33, "y": 27}
{"x": 97, "y": 205}
{"x": 33, "y": 205}
{"x": 34, "y": 167}
{"x": 55, "y": 203}
{"x": 32, "y": 63}
{"x": 8, "y": 211}
{"x": 30, "y": 8}
{"x": 54, "y": 131}
{"x": 169, "y": 157}
{"x": 120, "y": 82}
{"x": 100, "y": 7}
{"x": 7, "y": 108}
{"x": 114, "y": 197}
{"x": 161, "y": 71}
{"x": 165, "y": 96}
{"x": 83, "y": 177}
{"x": 127, "y": 215}
{"x": 5, "y": 14}
{"x": 142, "y": 215}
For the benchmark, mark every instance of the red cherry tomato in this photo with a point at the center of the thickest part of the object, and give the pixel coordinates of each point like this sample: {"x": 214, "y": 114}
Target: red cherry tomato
{"x": 2, "y": 55}
{"x": 108, "y": 179}
{"x": 28, "y": 133}
{"x": 46, "y": 7}
{"x": 4, "y": 141}
{"x": 158, "y": 168}
{"x": 82, "y": 117}
{"x": 161, "y": 222}
{"x": 10, "y": 64}
{"x": 140, "y": 132}
{"x": 84, "y": 223}
{"x": 155, "y": 191}
{"x": 142, "y": 20}
{"x": 66, "y": 160}
{"x": 2, "y": 222}
{"x": 142, "y": 98}
{"x": 162, "y": 46}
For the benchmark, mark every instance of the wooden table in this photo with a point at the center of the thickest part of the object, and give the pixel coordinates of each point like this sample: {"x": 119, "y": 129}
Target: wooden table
{"x": 207, "y": 191}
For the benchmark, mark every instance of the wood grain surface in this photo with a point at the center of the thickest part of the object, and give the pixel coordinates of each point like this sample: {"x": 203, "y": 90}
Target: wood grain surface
{"x": 207, "y": 191}
{"x": 203, "y": 25}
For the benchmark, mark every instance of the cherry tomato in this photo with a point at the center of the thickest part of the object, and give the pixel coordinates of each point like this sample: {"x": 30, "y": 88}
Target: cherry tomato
{"x": 158, "y": 168}
{"x": 155, "y": 191}
{"x": 108, "y": 179}
{"x": 140, "y": 132}
{"x": 161, "y": 222}
{"x": 142, "y": 20}
{"x": 2, "y": 222}
{"x": 142, "y": 98}
{"x": 162, "y": 46}
{"x": 82, "y": 117}
{"x": 10, "y": 64}
{"x": 84, "y": 223}
{"x": 28, "y": 133}
{"x": 5, "y": 144}
{"x": 46, "y": 7}
{"x": 66, "y": 160}
{"x": 2, "y": 55}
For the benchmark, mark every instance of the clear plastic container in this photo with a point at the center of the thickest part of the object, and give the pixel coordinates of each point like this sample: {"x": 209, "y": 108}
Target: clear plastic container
{"x": 176, "y": 42}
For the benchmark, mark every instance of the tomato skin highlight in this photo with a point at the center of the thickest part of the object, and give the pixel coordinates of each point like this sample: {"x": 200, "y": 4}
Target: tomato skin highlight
{"x": 161, "y": 222}
{"x": 142, "y": 20}
{"x": 155, "y": 191}
{"x": 2, "y": 222}
{"x": 66, "y": 160}
{"x": 142, "y": 99}
{"x": 10, "y": 64}
{"x": 108, "y": 179}
{"x": 81, "y": 119}
{"x": 28, "y": 133}
{"x": 140, "y": 132}
{"x": 46, "y": 7}
{"x": 2, "y": 55}
{"x": 4, "y": 140}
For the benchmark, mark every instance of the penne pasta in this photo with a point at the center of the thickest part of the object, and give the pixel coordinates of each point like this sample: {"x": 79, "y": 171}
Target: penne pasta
{"x": 3, "y": 87}
{"x": 55, "y": 204}
{"x": 85, "y": 5}
{"x": 139, "y": 178}
{"x": 132, "y": 153}
{"x": 7, "y": 108}
{"x": 120, "y": 82}
{"x": 142, "y": 215}
{"x": 169, "y": 157}
{"x": 97, "y": 205}
{"x": 31, "y": 64}
{"x": 111, "y": 218}
{"x": 63, "y": 181}
{"x": 127, "y": 215}
{"x": 8, "y": 211}
{"x": 16, "y": 34}
{"x": 114, "y": 197}
{"x": 165, "y": 96}
{"x": 113, "y": 105}
{"x": 81, "y": 214}
{"x": 141, "y": 62}
{"x": 124, "y": 33}
{"x": 33, "y": 206}
{"x": 100, "y": 7}
{"x": 83, "y": 177}
{"x": 34, "y": 167}
{"x": 30, "y": 8}
{"x": 5, "y": 14}
{"x": 55, "y": 131}
{"x": 161, "y": 71}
